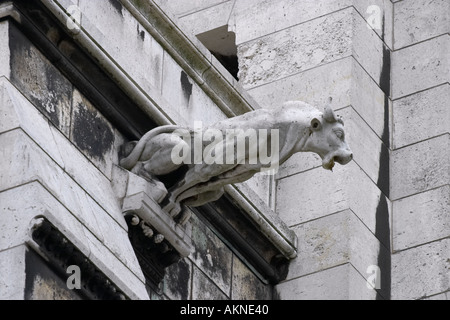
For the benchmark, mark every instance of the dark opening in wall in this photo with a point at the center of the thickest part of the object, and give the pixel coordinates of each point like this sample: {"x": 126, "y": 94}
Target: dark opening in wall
{"x": 222, "y": 44}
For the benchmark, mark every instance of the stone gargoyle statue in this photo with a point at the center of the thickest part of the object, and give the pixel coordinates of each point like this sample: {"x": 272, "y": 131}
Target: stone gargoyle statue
{"x": 232, "y": 151}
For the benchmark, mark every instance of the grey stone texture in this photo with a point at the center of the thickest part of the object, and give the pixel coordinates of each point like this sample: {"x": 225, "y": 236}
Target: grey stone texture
{"x": 421, "y": 271}
{"x": 419, "y": 20}
{"x": 421, "y": 116}
{"x": 421, "y": 66}
{"x": 342, "y": 282}
{"x": 425, "y": 169}
{"x": 389, "y": 207}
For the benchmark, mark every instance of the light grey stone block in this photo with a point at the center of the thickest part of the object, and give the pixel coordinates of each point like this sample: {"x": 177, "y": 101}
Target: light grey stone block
{"x": 183, "y": 7}
{"x": 81, "y": 170}
{"x": 18, "y": 212}
{"x": 420, "y": 167}
{"x": 18, "y": 112}
{"x": 295, "y": 49}
{"x": 334, "y": 240}
{"x": 5, "y": 53}
{"x": 188, "y": 102}
{"x": 421, "y": 218}
{"x": 426, "y": 63}
{"x": 256, "y": 18}
{"x": 422, "y": 271}
{"x": 347, "y": 187}
{"x": 339, "y": 283}
{"x": 418, "y": 20}
{"x": 421, "y": 116}
{"x": 208, "y": 19}
{"x": 119, "y": 34}
{"x": 308, "y": 45}
{"x": 12, "y": 273}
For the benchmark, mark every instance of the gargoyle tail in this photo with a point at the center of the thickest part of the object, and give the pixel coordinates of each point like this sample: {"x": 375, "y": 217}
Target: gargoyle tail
{"x": 130, "y": 161}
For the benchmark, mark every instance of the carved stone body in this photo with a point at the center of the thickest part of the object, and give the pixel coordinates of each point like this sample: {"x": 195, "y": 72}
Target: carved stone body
{"x": 299, "y": 126}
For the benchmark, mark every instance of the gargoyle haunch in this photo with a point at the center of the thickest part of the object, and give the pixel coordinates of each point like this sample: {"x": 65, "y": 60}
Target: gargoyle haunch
{"x": 299, "y": 127}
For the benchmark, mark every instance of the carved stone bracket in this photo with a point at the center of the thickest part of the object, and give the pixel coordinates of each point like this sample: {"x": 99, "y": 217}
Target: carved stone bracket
{"x": 158, "y": 240}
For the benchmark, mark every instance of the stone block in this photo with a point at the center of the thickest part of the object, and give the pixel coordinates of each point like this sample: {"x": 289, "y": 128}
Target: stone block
{"x": 421, "y": 271}
{"x": 256, "y": 18}
{"x": 347, "y": 187}
{"x": 295, "y": 49}
{"x": 420, "y": 167}
{"x": 81, "y": 170}
{"x": 177, "y": 282}
{"x": 246, "y": 286}
{"x": 427, "y": 212}
{"x": 18, "y": 112}
{"x": 339, "y": 283}
{"x": 309, "y": 45}
{"x": 16, "y": 216}
{"x": 205, "y": 289}
{"x": 421, "y": 116}
{"x": 40, "y": 81}
{"x": 419, "y": 20}
{"x": 211, "y": 256}
{"x": 118, "y": 33}
{"x": 186, "y": 100}
{"x": 5, "y": 53}
{"x": 208, "y": 19}
{"x": 92, "y": 133}
{"x": 12, "y": 273}
{"x": 335, "y": 240}
{"x": 426, "y": 62}
{"x": 183, "y": 7}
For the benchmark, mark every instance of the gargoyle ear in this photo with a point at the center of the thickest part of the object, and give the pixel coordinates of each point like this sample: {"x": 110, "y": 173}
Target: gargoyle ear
{"x": 316, "y": 125}
{"x": 328, "y": 114}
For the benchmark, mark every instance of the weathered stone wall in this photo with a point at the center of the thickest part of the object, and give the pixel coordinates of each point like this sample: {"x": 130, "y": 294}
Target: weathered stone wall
{"x": 385, "y": 63}
{"x": 59, "y": 160}
{"x": 420, "y": 173}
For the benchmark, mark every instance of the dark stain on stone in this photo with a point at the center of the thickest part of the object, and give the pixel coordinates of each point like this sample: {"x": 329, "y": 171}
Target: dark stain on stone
{"x": 186, "y": 86}
{"x": 178, "y": 279}
{"x": 40, "y": 81}
{"x": 91, "y": 132}
{"x": 382, "y": 227}
{"x": 141, "y": 33}
{"x": 117, "y": 5}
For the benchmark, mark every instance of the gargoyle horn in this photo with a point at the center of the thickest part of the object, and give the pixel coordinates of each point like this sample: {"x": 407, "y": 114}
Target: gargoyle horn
{"x": 328, "y": 114}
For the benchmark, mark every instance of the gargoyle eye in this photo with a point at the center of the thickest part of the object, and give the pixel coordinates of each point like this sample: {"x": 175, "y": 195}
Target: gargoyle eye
{"x": 339, "y": 134}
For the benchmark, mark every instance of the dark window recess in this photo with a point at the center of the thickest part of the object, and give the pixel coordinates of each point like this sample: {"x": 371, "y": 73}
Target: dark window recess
{"x": 61, "y": 253}
{"x": 222, "y": 44}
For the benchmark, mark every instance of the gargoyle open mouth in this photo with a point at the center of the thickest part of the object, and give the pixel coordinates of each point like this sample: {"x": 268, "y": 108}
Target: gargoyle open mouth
{"x": 341, "y": 157}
